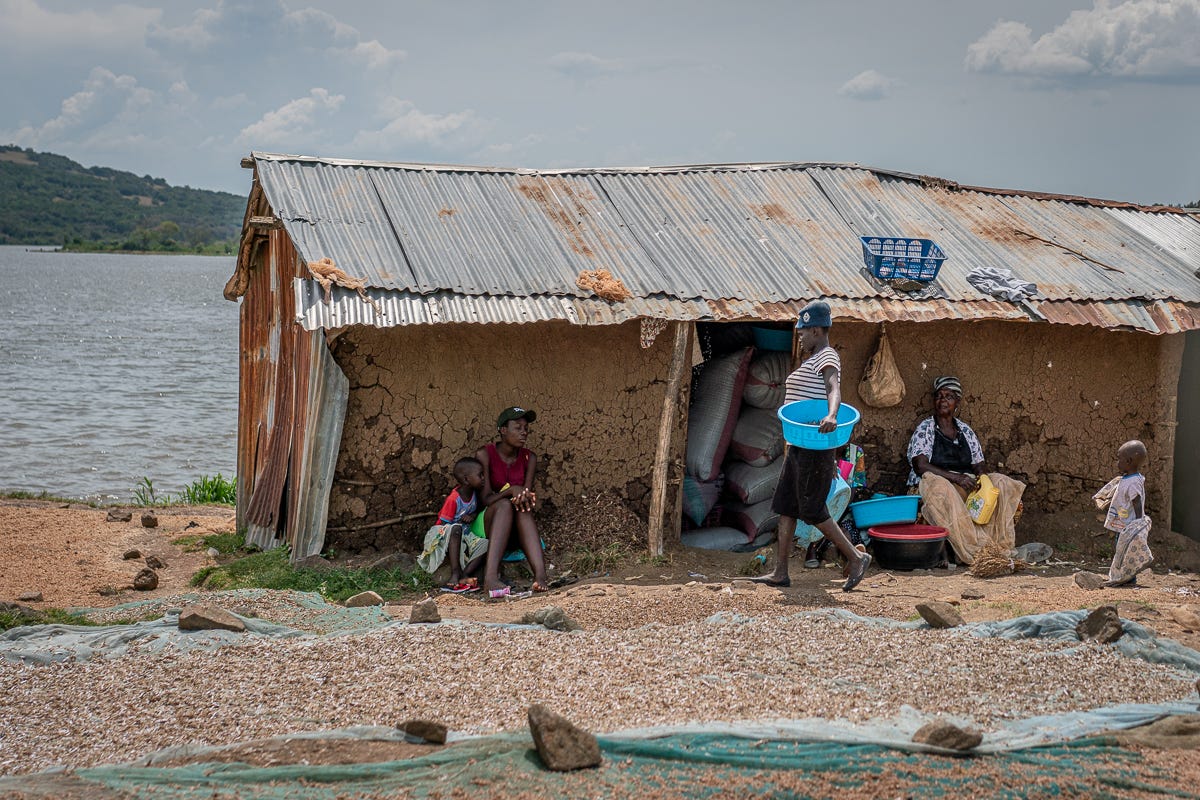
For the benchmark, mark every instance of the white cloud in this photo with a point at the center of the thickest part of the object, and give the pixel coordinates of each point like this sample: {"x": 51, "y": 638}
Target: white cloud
{"x": 406, "y": 124}
{"x": 247, "y": 27}
{"x": 868, "y": 85}
{"x": 29, "y": 27}
{"x": 293, "y": 122}
{"x": 104, "y": 99}
{"x": 585, "y": 65}
{"x": 1147, "y": 40}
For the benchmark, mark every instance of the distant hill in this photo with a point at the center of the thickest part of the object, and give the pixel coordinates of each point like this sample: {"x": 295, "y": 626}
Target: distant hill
{"x": 48, "y": 199}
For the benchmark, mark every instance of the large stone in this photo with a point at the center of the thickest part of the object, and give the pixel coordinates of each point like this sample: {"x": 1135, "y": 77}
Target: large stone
{"x": 132, "y": 554}
{"x": 940, "y": 733}
{"x": 1185, "y": 617}
{"x": 432, "y": 732}
{"x": 146, "y": 580}
{"x": 118, "y": 515}
{"x": 30, "y": 597}
{"x": 19, "y": 611}
{"x": 561, "y": 745}
{"x": 1089, "y": 580}
{"x": 1102, "y": 625}
{"x": 552, "y": 617}
{"x": 939, "y": 614}
{"x": 318, "y": 563}
{"x": 209, "y": 618}
{"x": 364, "y": 599}
{"x": 971, "y": 594}
{"x": 154, "y": 562}
{"x": 425, "y": 611}
{"x": 149, "y": 519}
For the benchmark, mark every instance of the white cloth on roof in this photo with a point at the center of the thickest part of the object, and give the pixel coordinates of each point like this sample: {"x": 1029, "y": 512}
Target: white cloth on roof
{"x": 1001, "y": 283}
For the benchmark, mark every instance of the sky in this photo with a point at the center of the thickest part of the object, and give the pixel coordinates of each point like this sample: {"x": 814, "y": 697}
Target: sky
{"x": 1091, "y": 97}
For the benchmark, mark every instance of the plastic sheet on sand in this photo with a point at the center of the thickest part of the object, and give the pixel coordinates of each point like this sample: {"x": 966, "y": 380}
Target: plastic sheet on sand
{"x": 1064, "y": 754}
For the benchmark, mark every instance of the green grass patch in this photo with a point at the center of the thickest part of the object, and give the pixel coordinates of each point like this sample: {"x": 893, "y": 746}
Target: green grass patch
{"x": 19, "y": 494}
{"x": 210, "y": 491}
{"x": 48, "y": 616}
{"x": 225, "y": 543}
{"x": 272, "y": 570}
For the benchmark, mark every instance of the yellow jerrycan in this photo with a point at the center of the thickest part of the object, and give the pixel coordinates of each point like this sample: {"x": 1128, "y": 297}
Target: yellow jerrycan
{"x": 981, "y": 503}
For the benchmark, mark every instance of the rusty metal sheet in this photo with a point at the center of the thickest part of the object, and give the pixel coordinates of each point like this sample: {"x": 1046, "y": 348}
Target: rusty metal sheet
{"x": 319, "y": 421}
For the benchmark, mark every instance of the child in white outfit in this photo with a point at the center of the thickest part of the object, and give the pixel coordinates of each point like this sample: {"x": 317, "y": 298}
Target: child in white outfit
{"x": 1125, "y": 497}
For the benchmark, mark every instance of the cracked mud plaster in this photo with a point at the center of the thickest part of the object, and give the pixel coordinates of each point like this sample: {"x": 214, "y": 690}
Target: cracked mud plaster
{"x": 423, "y": 396}
{"x": 1050, "y": 403}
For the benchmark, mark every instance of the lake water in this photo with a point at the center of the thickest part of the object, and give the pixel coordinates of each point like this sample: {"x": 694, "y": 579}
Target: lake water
{"x": 115, "y": 367}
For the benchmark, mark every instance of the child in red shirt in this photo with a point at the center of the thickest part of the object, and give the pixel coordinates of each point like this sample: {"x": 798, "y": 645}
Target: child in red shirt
{"x": 452, "y": 535}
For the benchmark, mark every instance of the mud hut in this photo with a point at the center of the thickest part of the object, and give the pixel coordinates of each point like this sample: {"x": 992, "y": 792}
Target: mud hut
{"x": 388, "y": 311}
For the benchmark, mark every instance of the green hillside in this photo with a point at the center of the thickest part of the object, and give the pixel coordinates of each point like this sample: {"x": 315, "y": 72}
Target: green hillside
{"x": 47, "y": 199}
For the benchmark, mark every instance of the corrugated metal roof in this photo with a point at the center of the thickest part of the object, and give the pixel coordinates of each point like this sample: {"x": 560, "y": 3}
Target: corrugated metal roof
{"x": 442, "y": 243}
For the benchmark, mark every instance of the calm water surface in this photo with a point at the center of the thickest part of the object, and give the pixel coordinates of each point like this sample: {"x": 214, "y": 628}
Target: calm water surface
{"x": 115, "y": 367}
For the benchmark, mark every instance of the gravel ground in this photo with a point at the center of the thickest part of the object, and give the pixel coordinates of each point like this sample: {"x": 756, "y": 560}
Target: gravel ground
{"x": 482, "y": 679}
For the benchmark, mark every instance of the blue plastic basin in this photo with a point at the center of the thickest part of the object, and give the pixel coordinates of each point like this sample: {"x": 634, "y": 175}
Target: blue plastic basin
{"x": 802, "y": 419}
{"x": 885, "y": 511}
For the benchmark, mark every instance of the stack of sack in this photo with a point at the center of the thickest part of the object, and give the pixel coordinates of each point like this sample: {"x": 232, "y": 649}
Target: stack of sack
{"x": 735, "y": 449}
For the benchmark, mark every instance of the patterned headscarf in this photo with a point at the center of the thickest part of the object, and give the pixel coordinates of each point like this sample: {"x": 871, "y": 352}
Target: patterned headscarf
{"x": 950, "y": 382}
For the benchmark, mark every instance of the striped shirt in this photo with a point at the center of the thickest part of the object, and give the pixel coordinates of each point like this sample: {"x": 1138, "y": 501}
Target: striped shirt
{"x": 806, "y": 383}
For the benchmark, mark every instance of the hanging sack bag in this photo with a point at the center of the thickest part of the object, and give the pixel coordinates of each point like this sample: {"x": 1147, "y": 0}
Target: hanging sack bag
{"x": 981, "y": 503}
{"x": 881, "y": 385}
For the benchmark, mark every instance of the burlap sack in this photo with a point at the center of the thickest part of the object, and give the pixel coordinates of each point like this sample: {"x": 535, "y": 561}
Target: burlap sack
{"x": 881, "y": 385}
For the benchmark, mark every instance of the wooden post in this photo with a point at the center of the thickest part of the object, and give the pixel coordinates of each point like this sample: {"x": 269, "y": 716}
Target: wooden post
{"x": 666, "y": 428}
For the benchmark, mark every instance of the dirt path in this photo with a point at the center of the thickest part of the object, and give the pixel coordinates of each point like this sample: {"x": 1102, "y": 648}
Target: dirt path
{"x": 69, "y": 552}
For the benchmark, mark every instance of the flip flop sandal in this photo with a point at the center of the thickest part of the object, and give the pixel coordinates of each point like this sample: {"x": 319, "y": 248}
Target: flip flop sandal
{"x": 563, "y": 580}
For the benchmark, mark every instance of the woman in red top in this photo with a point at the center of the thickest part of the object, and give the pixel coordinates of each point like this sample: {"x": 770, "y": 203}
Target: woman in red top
{"x": 508, "y": 469}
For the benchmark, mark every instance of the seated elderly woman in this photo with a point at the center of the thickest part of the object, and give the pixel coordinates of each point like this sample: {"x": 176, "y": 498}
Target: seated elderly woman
{"x": 946, "y": 464}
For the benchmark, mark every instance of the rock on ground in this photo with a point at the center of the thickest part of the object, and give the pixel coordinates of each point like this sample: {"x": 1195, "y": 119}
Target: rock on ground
{"x": 939, "y": 614}
{"x": 154, "y": 562}
{"x": 209, "y": 618}
{"x": 425, "y": 611}
{"x": 132, "y": 554}
{"x": 30, "y": 597}
{"x": 553, "y": 618}
{"x": 432, "y": 732}
{"x": 1102, "y": 625}
{"x": 364, "y": 599}
{"x": 117, "y": 515}
{"x": 561, "y": 745}
{"x": 149, "y": 519}
{"x": 940, "y": 733}
{"x": 146, "y": 580}
{"x": 1185, "y": 617}
{"x": 1089, "y": 580}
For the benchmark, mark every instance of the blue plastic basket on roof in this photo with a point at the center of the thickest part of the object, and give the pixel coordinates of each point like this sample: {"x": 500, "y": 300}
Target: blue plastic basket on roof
{"x": 802, "y": 419}
{"x": 902, "y": 257}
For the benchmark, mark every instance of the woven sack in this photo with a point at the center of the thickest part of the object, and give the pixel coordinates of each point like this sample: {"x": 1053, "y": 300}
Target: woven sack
{"x": 758, "y": 437}
{"x": 753, "y": 484}
{"x": 881, "y": 385}
{"x": 714, "y": 412}
{"x": 755, "y": 519}
{"x": 713, "y": 538}
{"x": 699, "y": 497}
{"x": 765, "y": 380}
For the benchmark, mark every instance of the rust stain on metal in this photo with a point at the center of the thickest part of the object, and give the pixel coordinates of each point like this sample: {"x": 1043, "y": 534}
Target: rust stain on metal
{"x": 532, "y": 190}
{"x": 446, "y": 213}
{"x": 773, "y": 212}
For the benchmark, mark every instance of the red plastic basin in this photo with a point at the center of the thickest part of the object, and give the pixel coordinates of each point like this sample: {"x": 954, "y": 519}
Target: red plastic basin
{"x": 907, "y": 533}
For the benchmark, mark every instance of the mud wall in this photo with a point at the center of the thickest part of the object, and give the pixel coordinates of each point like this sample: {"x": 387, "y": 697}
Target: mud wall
{"x": 1187, "y": 442}
{"x": 1050, "y": 403}
{"x": 423, "y": 396}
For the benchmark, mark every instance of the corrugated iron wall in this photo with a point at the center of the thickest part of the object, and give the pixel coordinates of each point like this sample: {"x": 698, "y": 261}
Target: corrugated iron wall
{"x": 292, "y": 402}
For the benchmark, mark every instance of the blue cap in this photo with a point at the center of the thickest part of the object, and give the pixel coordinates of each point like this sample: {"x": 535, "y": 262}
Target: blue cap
{"x": 815, "y": 315}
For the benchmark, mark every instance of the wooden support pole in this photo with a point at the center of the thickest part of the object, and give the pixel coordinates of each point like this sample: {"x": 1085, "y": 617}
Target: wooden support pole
{"x": 666, "y": 429}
